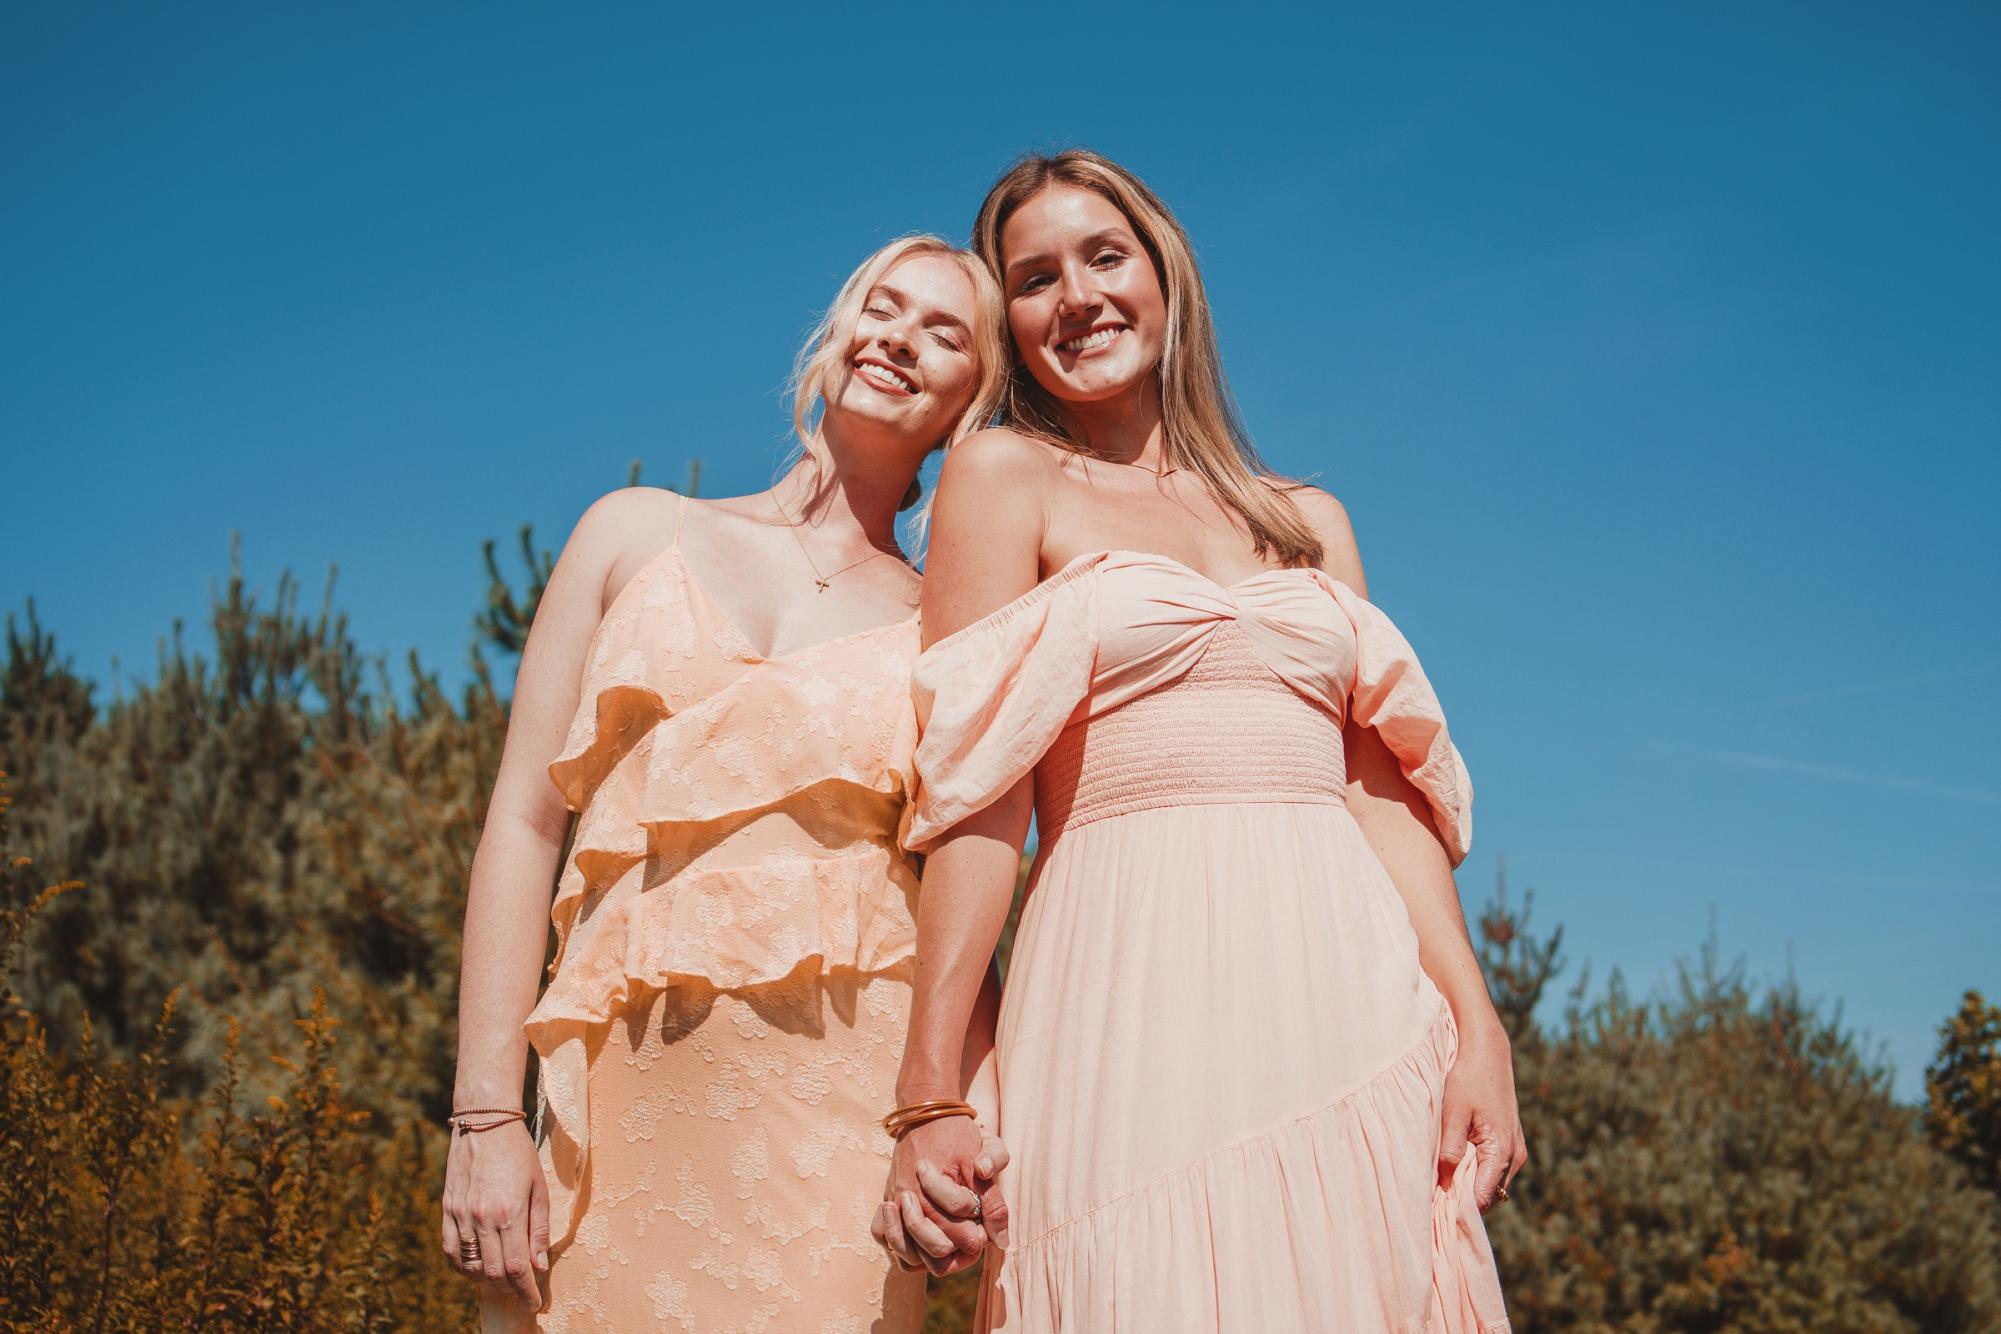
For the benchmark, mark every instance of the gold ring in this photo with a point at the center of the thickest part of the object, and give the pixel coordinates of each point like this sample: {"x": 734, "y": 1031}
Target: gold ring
{"x": 1501, "y": 1195}
{"x": 469, "y": 1251}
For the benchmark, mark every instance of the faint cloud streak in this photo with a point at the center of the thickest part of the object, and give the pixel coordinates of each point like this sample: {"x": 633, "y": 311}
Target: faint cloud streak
{"x": 1739, "y": 759}
{"x": 1906, "y": 682}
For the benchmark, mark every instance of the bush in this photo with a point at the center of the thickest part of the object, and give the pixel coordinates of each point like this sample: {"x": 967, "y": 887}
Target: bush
{"x": 128, "y": 1207}
{"x": 1725, "y": 1159}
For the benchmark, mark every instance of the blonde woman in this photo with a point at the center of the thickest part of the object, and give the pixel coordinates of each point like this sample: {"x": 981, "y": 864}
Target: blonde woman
{"x": 720, "y": 691}
{"x": 1244, "y": 1039}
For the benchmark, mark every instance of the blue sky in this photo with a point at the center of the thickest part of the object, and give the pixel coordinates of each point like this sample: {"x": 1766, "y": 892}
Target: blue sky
{"x": 1653, "y": 351}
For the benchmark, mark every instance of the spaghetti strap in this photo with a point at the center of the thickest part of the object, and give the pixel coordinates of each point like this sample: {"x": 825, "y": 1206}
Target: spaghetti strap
{"x": 680, "y": 512}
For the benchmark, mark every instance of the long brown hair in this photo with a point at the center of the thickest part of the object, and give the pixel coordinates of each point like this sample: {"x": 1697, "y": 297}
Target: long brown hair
{"x": 1202, "y": 430}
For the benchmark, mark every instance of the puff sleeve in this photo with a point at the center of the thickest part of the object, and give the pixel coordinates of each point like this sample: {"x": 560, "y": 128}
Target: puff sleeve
{"x": 993, "y": 697}
{"x": 1391, "y": 694}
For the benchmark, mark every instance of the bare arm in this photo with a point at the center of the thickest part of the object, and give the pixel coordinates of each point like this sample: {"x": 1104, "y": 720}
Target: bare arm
{"x": 494, "y": 1189}
{"x": 985, "y": 551}
{"x": 977, "y": 1062}
{"x": 1396, "y": 821}
{"x": 1395, "y": 817}
{"x": 514, "y": 867}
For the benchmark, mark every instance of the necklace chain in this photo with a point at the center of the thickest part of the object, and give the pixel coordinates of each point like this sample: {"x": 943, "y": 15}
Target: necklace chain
{"x": 819, "y": 579}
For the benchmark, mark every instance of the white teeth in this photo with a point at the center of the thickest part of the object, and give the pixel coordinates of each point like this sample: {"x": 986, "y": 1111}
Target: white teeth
{"x": 1090, "y": 341}
{"x": 885, "y": 376}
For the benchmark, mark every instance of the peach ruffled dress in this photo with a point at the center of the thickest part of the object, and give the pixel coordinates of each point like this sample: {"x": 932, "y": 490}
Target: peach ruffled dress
{"x": 1220, "y": 1063}
{"x": 731, "y": 991}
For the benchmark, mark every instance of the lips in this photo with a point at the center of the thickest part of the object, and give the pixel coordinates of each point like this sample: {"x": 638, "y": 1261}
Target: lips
{"x": 884, "y": 376}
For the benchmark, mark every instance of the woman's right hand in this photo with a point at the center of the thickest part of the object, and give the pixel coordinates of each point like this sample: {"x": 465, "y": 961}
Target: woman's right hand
{"x": 944, "y": 1202}
{"x": 495, "y": 1193}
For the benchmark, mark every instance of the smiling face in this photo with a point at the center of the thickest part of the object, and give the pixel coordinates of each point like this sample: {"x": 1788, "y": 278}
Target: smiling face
{"x": 912, "y": 364}
{"x": 1084, "y": 303}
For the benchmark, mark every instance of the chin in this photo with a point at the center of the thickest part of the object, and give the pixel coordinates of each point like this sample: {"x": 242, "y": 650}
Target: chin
{"x": 1094, "y": 390}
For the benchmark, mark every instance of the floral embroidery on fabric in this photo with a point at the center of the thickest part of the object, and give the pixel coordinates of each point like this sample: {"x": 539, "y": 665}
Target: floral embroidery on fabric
{"x": 735, "y": 927}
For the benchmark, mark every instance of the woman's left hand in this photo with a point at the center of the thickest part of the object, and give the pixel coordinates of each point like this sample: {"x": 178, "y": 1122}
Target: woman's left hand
{"x": 1480, "y": 1109}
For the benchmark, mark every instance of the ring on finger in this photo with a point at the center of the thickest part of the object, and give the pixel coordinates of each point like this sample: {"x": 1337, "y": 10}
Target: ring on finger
{"x": 469, "y": 1251}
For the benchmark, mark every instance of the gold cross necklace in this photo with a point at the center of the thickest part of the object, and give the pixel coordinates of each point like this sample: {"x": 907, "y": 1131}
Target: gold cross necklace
{"x": 822, "y": 580}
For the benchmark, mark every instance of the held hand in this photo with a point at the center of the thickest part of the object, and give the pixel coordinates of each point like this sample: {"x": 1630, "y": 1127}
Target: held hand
{"x": 496, "y": 1196}
{"x": 1480, "y": 1109}
{"x": 943, "y": 1175}
{"x": 982, "y": 1202}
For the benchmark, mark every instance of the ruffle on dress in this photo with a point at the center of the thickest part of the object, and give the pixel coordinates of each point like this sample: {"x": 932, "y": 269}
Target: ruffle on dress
{"x": 663, "y": 886}
{"x": 1280, "y": 1214}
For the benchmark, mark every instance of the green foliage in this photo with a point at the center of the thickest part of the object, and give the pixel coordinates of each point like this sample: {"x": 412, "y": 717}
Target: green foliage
{"x": 1963, "y": 1091}
{"x": 256, "y": 826}
{"x": 128, "y": 1207}
{"x": 1518, "y": 964}
{"x": 42, "y": 704}
{"x": 504, "y": 622}
{"x": 1724, "y": 1158}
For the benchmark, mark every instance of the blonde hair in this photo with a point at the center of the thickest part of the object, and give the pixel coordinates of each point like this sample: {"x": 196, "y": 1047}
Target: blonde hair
{"x": 826, "y": 348}
{"x": 1202, "y": 430}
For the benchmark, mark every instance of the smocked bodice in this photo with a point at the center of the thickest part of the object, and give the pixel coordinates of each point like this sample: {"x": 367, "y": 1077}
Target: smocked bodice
{"x": 1128, "y": 680}
{"x": 1226, "y": 730}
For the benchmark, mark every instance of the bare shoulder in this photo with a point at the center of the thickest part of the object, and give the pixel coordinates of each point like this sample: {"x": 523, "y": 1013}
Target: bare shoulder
{"x": 631, "y": 514}
{"x": 1340, "y": 555}
{"x": 994, "y": 479}
{"x": 619, "y": 531}
{"x": 1328, "y": 516}
{"x": 986, "y": 527}
{"x": 998, "y": 455}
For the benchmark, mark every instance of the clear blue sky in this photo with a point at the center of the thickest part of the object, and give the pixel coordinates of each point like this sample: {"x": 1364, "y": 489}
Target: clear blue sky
{"x": 1653, "y": 349}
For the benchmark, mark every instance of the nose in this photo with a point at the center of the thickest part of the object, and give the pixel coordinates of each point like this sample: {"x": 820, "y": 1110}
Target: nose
{"x": 899, "y": 335}
{"x": 1074, "y": 294}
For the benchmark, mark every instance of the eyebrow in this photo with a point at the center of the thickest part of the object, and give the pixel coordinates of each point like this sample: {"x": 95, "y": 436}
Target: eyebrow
{"x": 934, "y": 317}
{"x": 1095, "y": 239}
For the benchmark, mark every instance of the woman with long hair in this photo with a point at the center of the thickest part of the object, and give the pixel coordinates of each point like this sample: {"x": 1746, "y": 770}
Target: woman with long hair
{"x": 1244, "y": 1040}
{"x": 720, "y": 691}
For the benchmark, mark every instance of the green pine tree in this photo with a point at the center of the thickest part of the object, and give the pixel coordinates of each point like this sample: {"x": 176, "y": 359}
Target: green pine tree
{"x": 1963, "y": 1090}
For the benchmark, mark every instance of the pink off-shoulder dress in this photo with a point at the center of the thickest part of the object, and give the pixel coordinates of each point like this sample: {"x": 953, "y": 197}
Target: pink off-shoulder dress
{"x": 1220, "y": 1063}
{"x": 731, "y": 992}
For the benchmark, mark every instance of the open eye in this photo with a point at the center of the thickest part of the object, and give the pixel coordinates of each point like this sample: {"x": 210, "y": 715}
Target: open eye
{"x": 1109, "y": 259}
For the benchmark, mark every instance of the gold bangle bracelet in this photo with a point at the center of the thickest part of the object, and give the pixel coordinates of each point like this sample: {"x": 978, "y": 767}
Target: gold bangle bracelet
{"x": 929, "y": 1104}
{"x": 911, "y": 1114}
{"x": 917, "y": 1113}
{"x": 911, "y": 1122}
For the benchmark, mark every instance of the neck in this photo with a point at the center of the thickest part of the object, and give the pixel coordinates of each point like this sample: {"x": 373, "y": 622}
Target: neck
{"x": 1127, "y": 428}
{"x": 861, "y": 490}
